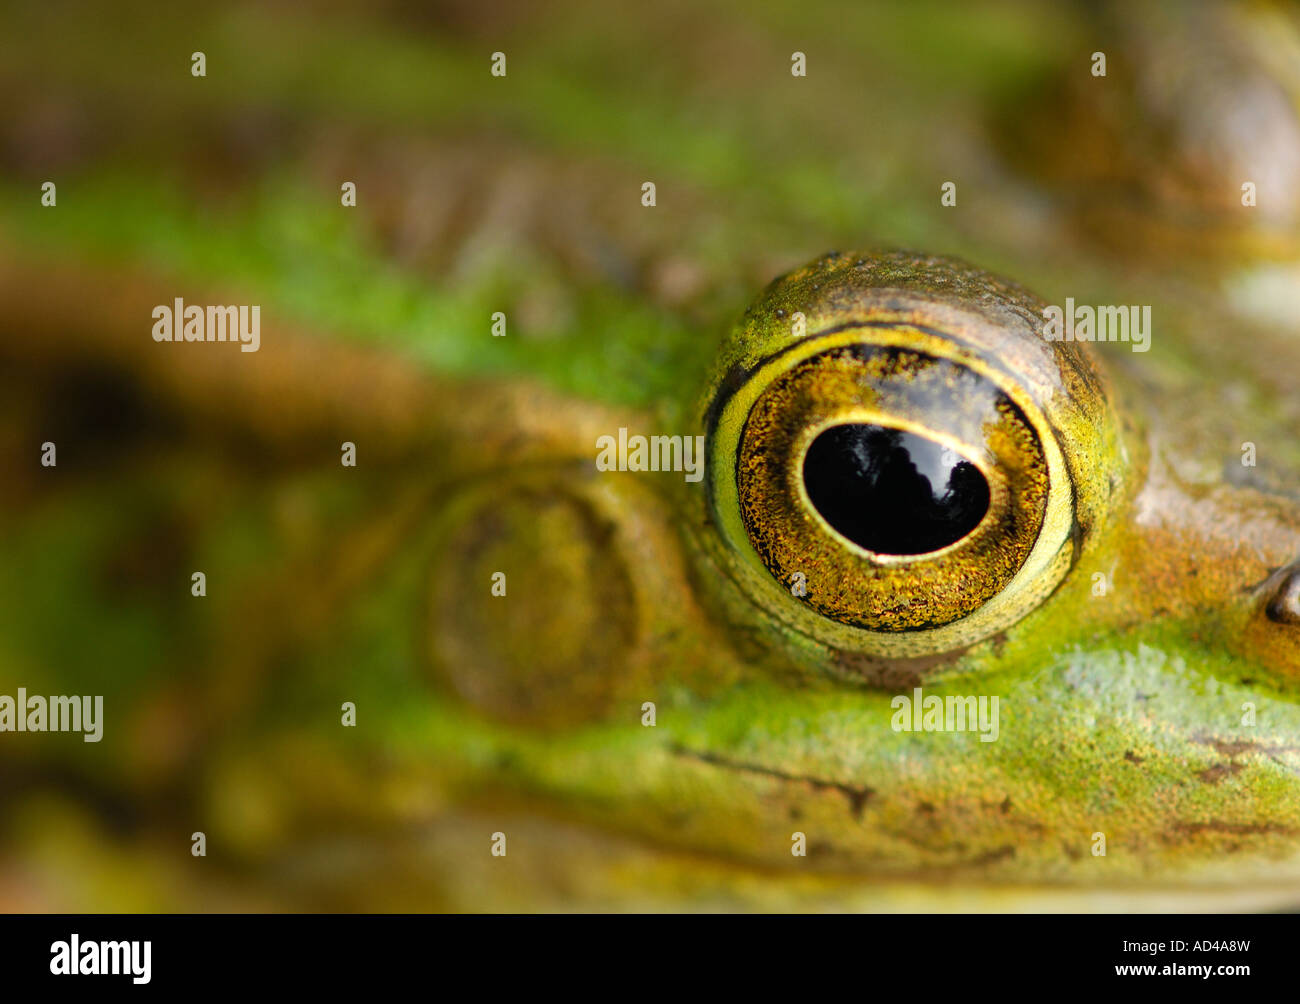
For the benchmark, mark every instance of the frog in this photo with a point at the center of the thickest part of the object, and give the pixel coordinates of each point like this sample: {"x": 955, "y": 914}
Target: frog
{"x": 439, "y": 659}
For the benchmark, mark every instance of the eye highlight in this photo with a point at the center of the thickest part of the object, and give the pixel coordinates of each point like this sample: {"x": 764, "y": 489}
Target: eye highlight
{"x": 919, "y": 457}
{"x": 892, "y": 491}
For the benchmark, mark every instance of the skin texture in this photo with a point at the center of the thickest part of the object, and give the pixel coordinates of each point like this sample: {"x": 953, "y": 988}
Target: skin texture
{"x": 1121, "y": 714}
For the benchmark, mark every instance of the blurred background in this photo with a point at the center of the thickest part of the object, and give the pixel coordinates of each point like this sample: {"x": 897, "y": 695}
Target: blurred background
{"x": 477, "y": 194}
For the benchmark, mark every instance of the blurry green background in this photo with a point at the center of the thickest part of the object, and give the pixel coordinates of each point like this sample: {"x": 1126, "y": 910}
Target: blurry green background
{"x": 475, "y": 194}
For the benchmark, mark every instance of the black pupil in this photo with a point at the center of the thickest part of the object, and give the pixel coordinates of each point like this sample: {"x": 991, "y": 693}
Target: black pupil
{"x": 891, "y": 491}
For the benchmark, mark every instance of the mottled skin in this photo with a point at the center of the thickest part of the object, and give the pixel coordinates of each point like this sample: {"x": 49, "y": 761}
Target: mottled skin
{"x": 1121, "y": 714}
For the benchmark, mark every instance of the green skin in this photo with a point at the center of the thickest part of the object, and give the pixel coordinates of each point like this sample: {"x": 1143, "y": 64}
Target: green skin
{"x": 1120, "y": 715}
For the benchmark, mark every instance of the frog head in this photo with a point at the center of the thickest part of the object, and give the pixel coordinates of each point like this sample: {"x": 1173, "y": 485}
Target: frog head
{"x": 1064, "y": 671}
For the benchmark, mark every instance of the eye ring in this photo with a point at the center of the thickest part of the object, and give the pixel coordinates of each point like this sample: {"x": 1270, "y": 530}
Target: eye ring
{"x": 955, "y": 371}
{"x": 846, "y": 378}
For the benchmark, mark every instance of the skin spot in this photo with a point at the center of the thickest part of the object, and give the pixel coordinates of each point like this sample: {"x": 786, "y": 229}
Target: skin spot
{"x": 857, "y": 795}
{"x": 1215, "y": 774}
{"x": 997, "y": 854}
{"x": 1234, "y": 829}
{"x": 1240, "y": 746}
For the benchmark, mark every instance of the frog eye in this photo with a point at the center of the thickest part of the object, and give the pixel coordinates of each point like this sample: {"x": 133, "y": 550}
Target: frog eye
{"x": 909, "y": 449}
